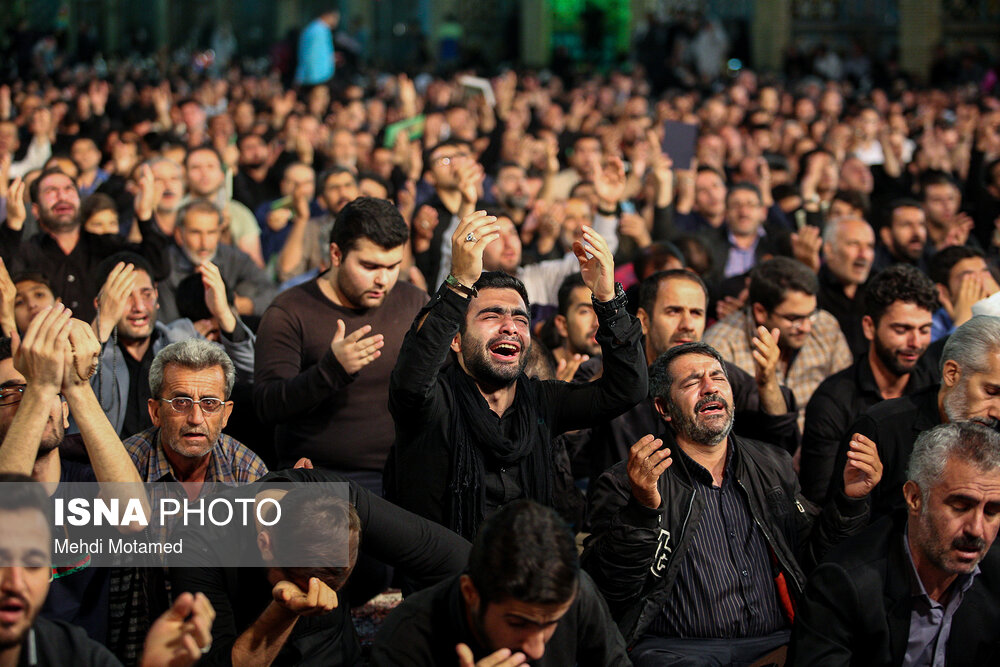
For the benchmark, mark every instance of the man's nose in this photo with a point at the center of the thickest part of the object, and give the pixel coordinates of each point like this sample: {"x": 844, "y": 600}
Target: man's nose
{"x": 534, "y": 646}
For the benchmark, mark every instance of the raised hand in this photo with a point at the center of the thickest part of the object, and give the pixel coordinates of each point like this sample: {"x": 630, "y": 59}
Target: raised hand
{"x": 598, "y": 269}
{"x": 112, "y": 300}
{"x": 181, "y": 635}
{"x": 647, "y": 460}
{"x": 8, "y": 294}
{"x": 864, "y": 467}
{"x": 476, "y": 231}
{"x": 80, "y": 356}
{"x": 355, "y": 351}
{"x": 40, "y": 356}
{"x": 806, "y": 244}
{"x": 566, "y": 370}
{"x": 146, "y": 199}
{"x": 16, "y": 212}
{"x": 609, "y": 182}
{"x": 319, "y": 599}
{"x": 766, "y": 354}
{"x": 215, "y": 296}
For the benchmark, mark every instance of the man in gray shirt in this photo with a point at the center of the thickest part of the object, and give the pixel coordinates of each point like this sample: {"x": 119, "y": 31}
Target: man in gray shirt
{"x": 916, "y": 588}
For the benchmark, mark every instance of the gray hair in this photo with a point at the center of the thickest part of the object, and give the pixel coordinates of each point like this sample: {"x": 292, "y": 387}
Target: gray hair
{"x": 833, "y": 226}
{"x": 966, "y": 441}
{"x": 972, "y": 344}
{"x": 194, "y": 354}
{"x": 660, "y": 377}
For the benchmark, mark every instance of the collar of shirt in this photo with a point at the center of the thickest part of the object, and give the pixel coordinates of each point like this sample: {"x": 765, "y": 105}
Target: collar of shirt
{"x": 219, "y": 469}
{"x": 732, "y": 240}
{"x": 700, "y": 473}
{"x": 962, "y": 583}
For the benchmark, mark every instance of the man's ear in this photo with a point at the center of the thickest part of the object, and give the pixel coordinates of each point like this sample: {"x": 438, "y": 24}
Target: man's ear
{"x": 914, "y": 499}
{"x": 951, "y": 373}
{"x": 456, "y": 344}
{"x": 643, "y": 320}
{"x": 661, "y": 407}
{"x": 944, "y": 297}
{"x": 34, "y": 210}
{"x": 265, "y": 546}
{"x": 154, "y": 411}
{"x": 336, "y": 257}
{"x": 561, "y": 326}
{"x": 885, "y": 235}
{"x": 759, "y": 313}
{"x": 868, "y": 327}
{"x": 469, "y": 592}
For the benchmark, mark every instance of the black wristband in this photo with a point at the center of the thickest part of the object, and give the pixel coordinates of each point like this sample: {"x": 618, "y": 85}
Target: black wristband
{"x": 614, "y": 305}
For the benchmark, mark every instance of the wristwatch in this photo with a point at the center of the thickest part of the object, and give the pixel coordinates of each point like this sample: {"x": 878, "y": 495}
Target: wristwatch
{"x": 614, "y": 305}
{"x": 471, "y": 292}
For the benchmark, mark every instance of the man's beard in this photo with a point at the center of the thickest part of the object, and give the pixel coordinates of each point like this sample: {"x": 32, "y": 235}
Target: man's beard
{"x": 956, "y": 406}
{"x": 52, "y": 436}
{"x": 485, "y": 371}
{"x": 702, "y": 433}
{"x": 56, "y": 224}
{"x": 515, "y": 202}
{"x": 937, "y": 553}
{"x": 891, "y": 361}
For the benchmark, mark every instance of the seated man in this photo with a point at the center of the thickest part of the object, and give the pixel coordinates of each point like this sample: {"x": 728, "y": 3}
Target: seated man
{"x": 177, "y": 639}
{"x": 477, "y": 434}
{"x": 34, "y": 293}
{"x": 576, "y": 322}
{"x": 708, "y": 538}
{"x": 189, "y": 385}
{"x": 131, "y": 335}
{"x": 269, "y": 615}
{"x": 909, "y": 590}
{"x": 899, "y": 304}
{"x": 672, "y": 307}
{"x": 521, "y": 598}
{"x": 962, "y": 278}
{"x": 783, "y": 296}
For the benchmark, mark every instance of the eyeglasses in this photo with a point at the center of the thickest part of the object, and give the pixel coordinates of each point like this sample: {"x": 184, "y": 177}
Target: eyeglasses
{"x": 799, "y": 320}
{"x": 184, "y": 404}
{"x": 12, "y": 394}
{"x": 446, "y": 160}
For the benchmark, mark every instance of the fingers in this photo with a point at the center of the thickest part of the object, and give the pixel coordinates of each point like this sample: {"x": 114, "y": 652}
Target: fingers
{"x": 599, "y": 246}
{"x": 644, "y": 447}
{"x": 465, "y": 657}
{"x": 304, "y": 463}
{"x": 357, "y": 334}
{"x": 470, "y": 222}
{"x": 338, "y": 335}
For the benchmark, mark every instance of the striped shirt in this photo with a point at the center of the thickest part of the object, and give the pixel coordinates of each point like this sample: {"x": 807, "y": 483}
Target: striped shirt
{"x": 232, "y": 463}
{"x": 724, "y": 587}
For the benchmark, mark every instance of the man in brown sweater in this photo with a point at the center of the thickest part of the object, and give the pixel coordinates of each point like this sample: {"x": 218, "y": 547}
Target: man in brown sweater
{"x": 325, "y": 348}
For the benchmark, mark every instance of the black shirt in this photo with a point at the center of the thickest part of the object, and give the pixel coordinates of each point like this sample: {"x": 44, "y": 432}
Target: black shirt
{"x": 57, "y": 644}
{"x": 835, "y": 405}
{"x": 423, "y": 632}
{"x": 846, "y": 310}
{"x": 73, "y": 276}
{"x": 894, "y": 426}
{"x": 137, "y": 410}
{"x": 426, "y": 552}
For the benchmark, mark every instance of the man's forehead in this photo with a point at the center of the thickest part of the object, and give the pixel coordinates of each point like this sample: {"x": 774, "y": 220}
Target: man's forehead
{"x": 10, "y": 374}
{"x": 497, "y": 296}
{"x": 961, "y": 478}
{"x": 28, "y": 285}
{"x": 680, "y": 292}
{"x": 540, "y": 614}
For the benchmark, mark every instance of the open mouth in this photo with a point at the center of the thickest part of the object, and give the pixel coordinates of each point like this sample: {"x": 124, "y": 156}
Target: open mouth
{"x": 11, "y": 611}
{"x": 712, "y": 408}
{"x": 505, "y": 350}
{"x": 63, "y": 209}
{"x": 138, "y": 322}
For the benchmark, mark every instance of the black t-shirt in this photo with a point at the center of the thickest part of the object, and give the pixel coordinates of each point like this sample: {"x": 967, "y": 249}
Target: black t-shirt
{"x": 79, "y": 591}
{"x": 57, "y": 644}
{"x": 136, "y": 410}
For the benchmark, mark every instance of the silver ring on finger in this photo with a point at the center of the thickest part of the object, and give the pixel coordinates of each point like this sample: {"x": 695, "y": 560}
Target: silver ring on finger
{"x": 470, "y": 238}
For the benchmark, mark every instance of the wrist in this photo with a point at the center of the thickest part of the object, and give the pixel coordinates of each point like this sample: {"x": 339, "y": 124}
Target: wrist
{"x": 462, "y": 285}
{"x": 607, "y": 208}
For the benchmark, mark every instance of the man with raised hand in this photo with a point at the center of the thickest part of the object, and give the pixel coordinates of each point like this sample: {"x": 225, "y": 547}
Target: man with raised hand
{"x": 477, "y": 434}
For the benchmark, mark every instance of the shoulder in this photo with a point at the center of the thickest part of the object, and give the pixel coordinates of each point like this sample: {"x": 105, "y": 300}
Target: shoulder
{"x": 826, "y": 324}
{"x": 726, "y": 327}
{"x": 837, "y": 385}
{"x": 411, "y": 624}
{"x": 247, "y": 466}
{"x": 140, "y": 443}
{"x": 60, "y": 642}
{"x": 295, "y": 297}
{"x": 407, "y": 294}
{"x": 765, "y": 455}
{"x": 902, "y": 407}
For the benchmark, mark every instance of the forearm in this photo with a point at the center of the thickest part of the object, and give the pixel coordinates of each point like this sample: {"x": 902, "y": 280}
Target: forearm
{"x": 291, "y": 255}
{"x": 154, "y": 247}
{"x": 280, "y": 398}
{"x": 771, "y": 399}
{"x": 20, "y": 445}
{"x": 261, "y": 643}
{"x": 108, "y": 457}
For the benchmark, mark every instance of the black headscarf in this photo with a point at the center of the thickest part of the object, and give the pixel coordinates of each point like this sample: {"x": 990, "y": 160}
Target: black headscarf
{"x": 474, "y": 436}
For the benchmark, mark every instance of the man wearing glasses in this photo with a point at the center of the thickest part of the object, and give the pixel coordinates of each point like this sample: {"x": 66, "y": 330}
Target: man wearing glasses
{"x": 811, "y": 344}
{"x": 190, "y": 383}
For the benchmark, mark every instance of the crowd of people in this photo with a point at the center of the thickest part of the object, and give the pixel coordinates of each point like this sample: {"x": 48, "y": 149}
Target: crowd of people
{"x": 758, "y": 378}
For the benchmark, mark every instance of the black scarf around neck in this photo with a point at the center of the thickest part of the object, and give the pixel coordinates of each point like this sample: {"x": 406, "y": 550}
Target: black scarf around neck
{"x": 475, "y": 438}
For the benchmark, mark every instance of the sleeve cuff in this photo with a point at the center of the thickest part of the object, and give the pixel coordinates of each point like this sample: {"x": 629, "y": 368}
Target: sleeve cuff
{"x": 850, "y": 507}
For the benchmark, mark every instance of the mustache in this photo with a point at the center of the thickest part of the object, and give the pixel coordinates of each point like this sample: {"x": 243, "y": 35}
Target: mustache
{"x": 989, "y": 422}
{"x": 712, "y": 398}
{"x": 968, "y": 543}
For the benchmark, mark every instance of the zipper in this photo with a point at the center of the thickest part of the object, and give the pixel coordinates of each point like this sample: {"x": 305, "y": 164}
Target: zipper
{"x": 770, "y": 542}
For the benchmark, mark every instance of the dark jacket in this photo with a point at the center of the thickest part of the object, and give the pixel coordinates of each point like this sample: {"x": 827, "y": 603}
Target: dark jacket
{"x": 834, "y": 406}
{"x": 856, "y": 608}
{"x": 421, "y": 397}
{"x": 847, "y": 310}
{"x": 893, "y": 426}
{"x": 423, "y": 632}
{"x": 634, "y": 552}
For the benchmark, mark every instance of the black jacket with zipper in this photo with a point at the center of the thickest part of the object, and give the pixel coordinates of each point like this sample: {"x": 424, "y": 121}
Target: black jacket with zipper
{"x": 634, "y": 552}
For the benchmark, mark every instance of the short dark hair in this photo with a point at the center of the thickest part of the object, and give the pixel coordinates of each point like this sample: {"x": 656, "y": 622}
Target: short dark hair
{"x": 335, "y": 171}
{"x": 108, "y": 264}
{"x": 450, "y": 141}
{"x": 33, "y": 276}
{"x": 37, "y": 183}
{"x": 524, "y": 552}
{"x": 895, "y": 204}
{"x": 374, "y": 219}
{"x": 22, "y": 492}
{"x": 940, "y": 265}
{"x": 899, "y": 282}
{"x": 6, "y": 348}
{"x": 322, "y": 520}
{"x": 569, "y": 283}
{"x": 854, "y": 199}
{"x": 650, "y": 287}
{"x": 541, "y": 362}
{"x": 499, "y": 280}
{"x": 96, "y": 203}
{"x": 204, "y": 147}
{"x": 745, "y": 187}
{"x": 189, "y": 297}
{"x": 660, "y": 377}
{"x": 807, "y": 157}
{"x": 934, "y": 177}
{"x": 771, "y": 281}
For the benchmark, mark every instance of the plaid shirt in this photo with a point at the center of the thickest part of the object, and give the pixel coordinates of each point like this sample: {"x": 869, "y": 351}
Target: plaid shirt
{"x": 232, "y": 463}
{"x": 824, "y": 353}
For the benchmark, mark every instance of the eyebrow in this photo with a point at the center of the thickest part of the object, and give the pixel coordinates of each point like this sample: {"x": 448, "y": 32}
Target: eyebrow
{"x": 503, "y": 311}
